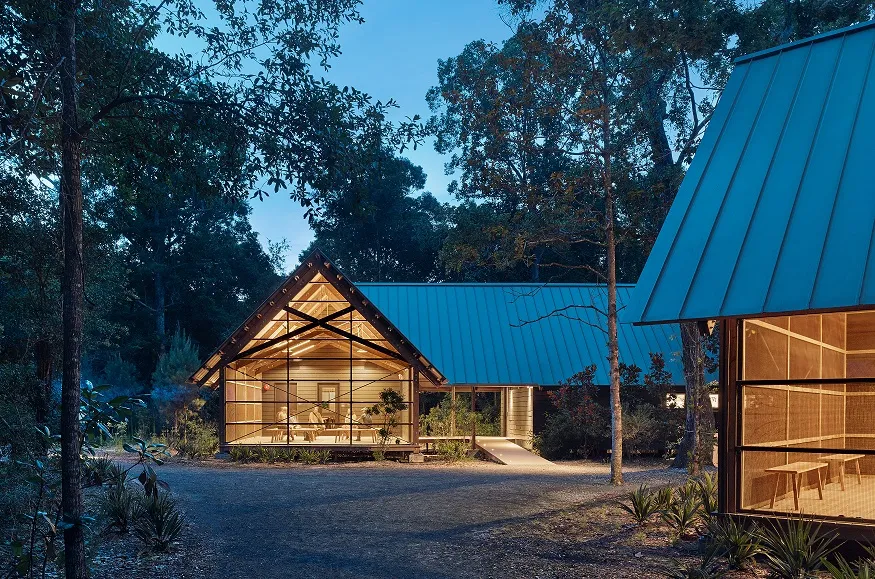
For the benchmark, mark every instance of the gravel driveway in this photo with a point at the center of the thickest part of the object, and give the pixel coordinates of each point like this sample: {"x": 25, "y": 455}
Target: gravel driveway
{"x": 384, "y": 519}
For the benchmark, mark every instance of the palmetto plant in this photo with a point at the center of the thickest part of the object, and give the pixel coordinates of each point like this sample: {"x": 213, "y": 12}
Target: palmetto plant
{"x": 795, "y": 548}
{"x": 119, "y": 506}
{"x": 737, "y": 541}
{"x": 642, "y": 505}
{"x": 682, "y": 514}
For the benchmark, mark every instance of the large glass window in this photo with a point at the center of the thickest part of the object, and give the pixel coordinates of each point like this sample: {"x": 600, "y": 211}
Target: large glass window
{"x": 807, "y": 410}
{"x": 318, "y": 374}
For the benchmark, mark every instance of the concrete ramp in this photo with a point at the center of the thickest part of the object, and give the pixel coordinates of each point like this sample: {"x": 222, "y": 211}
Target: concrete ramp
{"x": 506, "y": 452}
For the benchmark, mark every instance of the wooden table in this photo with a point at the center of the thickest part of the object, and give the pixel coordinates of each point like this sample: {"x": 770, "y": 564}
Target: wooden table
{"x": 277, "y": 433}
{"x": 796, "y": 470}
{"x": 840, "y": 460}
{"x": 343, "y": 433}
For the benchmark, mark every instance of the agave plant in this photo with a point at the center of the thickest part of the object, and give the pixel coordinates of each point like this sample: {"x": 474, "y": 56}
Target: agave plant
{"x": 708, "y": 568}
{"x": 842, "y": 569}
{"x": 159, "y": 523}
{"x": 664, "y": 497}
{"x": 737, "y": 541}
{"x": 682, "y": 515}
{"x": 707, "y": 487}
{"x": 795, "y": 547}
{"x": 642, "y": 505}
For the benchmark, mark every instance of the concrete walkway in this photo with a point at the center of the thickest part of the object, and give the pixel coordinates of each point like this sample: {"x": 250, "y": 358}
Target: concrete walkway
{"x": 506, "y": 452}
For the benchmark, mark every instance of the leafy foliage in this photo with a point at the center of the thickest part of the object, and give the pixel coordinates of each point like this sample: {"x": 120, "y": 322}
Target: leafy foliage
{"x": 643, "y": 505}
{"x": 682, "y": 515}
{"x": 735, "y": 539}
{"x": 794, "y": 548}
{"x": 160, "y": 523}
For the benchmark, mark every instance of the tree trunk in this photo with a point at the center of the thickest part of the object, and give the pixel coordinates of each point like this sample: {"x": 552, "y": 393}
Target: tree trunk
{"x": 697, "y": 443}
{"x": 613, "y": 341}
{"x": 73, "y": 291}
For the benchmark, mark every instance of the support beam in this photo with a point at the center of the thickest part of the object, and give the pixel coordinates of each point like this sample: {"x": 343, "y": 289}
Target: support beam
{"x": 323, "y": 323}
{"x": 272, "y": 342}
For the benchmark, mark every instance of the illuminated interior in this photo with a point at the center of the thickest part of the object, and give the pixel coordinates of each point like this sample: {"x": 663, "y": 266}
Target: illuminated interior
{"x": 314, "y": 375}
{"x": 807, "y": 385}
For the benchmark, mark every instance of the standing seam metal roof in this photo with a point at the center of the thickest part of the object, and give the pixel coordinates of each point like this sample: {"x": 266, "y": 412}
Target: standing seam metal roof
{"x": 777, "y": 210}
{"x": 476, "y": 333}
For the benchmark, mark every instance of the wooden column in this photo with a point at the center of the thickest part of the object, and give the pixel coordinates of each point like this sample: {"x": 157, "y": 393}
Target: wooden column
{"x": 728, "y": 458}
{"x": 473, "y": 417}
{"x": 224, "y": 414}
{"x": 453, "y": 411}
{"x": 414, "y": 411}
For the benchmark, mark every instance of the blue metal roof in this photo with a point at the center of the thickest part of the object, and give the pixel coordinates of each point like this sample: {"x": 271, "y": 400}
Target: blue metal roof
{"x": 476, "y": 333}
{"x": 777, "y": 209}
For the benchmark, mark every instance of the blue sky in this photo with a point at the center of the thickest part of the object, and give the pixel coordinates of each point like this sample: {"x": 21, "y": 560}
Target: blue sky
{"x": 393, "y": 54}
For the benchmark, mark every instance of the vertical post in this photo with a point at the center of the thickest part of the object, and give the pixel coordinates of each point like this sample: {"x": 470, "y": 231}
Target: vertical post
{"x": 453, "y": 411}
{"x": 473, "y": 417}
{"x": 223, "y": 439}
{"x": 350, "y": 379}
{"x": 288, "y": 384}
{"x": 414, "y": 408}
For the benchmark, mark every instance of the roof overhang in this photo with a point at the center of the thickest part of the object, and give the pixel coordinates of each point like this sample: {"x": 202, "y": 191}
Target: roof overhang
{"x": 316, "y": 263}
{"x": 776, "y": 214}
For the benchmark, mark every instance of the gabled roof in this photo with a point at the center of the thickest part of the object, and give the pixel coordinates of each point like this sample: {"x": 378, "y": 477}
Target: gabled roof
{"x": 316, "y": 270}
{"x": 776, "y": 211}
{"x": 504, "y": 334}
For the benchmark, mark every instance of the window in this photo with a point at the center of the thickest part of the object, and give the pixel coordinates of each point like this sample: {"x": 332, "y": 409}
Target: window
{"x": 806, "y": 407}
{"x": 300, "y": 381}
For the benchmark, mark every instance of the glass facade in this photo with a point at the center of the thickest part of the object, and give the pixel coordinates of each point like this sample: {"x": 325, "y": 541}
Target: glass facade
{"x": 318, "y": 373}
{"x": 806, "y": 408}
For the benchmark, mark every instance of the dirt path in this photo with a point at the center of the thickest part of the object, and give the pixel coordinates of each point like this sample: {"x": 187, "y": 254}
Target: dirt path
{"x": 394, "y": 520}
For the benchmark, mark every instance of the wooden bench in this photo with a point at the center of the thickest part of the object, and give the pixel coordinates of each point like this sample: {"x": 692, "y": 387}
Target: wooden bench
{"x": 840, "y": 460}
{"x": 796, "y": 470}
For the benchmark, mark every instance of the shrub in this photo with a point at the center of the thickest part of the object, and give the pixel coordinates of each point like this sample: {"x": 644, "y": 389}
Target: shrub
{"x": 708, "y": 568}
{"x": 707, "y": 487}
{"x": 664, "y": 497}
{"x": 310, "y": 456}
{"x": 191, "y": 436}
{"x": 97, "y": 470}
{"x": 240, "y": 453}
{"x": 735, "y": 540}
{"x": 842, "y": 569}
{"x": 439, "y": 420}
{"x": 119, "y": 504}
{"x": 159, "y": 523}
{"x": 640, "y": 429}
{"x": 452, "y": 450}
{"x": 795, "y": 548}
{"x": 642, "y": 505}
{"x": 682, "y": 515}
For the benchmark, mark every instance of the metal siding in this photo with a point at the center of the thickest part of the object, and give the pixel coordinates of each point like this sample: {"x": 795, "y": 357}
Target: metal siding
{"x": 776, "y": 212}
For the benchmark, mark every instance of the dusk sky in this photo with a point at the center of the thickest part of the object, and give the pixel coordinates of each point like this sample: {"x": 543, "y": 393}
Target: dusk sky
{"x": 393, "y": 54}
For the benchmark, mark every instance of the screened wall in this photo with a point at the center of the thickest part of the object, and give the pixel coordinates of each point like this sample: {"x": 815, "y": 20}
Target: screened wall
{"x": 806, "y": 407}
{"x": 313, "y": 375}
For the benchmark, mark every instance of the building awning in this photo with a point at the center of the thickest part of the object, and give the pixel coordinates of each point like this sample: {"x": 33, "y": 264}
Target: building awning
{"x": 776, "y": 212}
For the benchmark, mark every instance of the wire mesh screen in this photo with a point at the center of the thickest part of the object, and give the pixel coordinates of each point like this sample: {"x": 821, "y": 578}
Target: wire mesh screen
{"x": 807, "y": 413}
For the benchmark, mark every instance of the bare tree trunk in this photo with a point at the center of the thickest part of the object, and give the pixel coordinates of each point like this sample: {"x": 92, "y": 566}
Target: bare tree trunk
{"x": 693, "y": 451}
{"x": 73, "y": 291}
{"x": 613, "y": 341}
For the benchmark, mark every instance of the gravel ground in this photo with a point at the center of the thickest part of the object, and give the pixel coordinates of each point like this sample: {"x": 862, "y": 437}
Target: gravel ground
{"x": 385, "y": 520}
